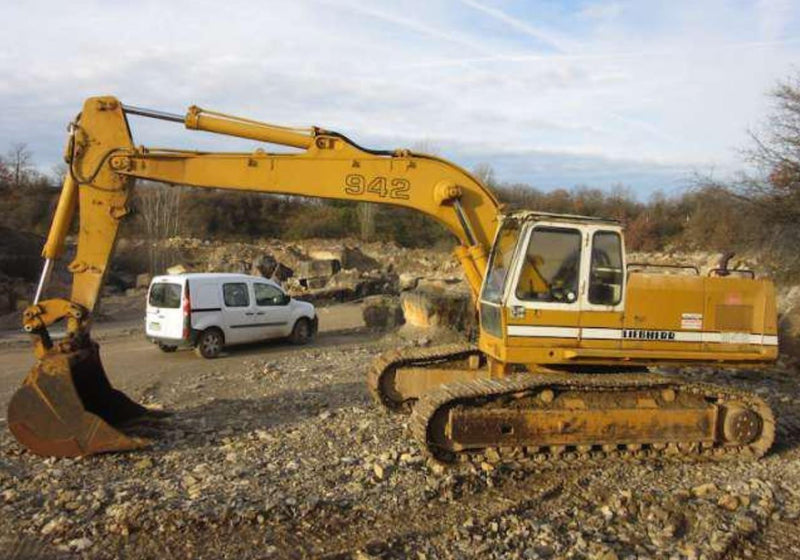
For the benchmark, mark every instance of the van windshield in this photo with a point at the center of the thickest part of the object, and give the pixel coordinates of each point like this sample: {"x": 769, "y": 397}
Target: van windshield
{"x": 165, "y": 295}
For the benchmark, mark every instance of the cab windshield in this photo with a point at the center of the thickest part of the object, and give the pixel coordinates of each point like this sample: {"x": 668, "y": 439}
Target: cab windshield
{"x": 500, "y": 262}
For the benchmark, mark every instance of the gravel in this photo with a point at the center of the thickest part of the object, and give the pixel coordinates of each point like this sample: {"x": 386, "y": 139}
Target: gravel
{"x": 287, "y": 457}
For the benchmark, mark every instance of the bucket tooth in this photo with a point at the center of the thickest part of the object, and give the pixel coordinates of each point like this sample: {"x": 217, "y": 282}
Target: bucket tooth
{"x": 66, "y": 407}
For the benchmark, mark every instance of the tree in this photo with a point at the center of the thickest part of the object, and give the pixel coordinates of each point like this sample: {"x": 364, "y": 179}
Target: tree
{"x": 159, "y": 208}
{"x": 58, "y": 173}
{"x": 366, "y": 220}
{"x": 773, "y": 191}
{"x": 5, "y": 174}
{"x": 19, "y": 161}
{"x": 485, "y": 174}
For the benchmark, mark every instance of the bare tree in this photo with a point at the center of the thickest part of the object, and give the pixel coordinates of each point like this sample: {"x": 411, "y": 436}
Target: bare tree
{"x": 772, "y": 191}
{"x": 485, "y": 173}
{"x": 159, "y": 208}
{"x": 19, "y": 161}
{"x": 58, "y": 173}
{"x": 366, "y": 220}
{"x": 5, "y": 174}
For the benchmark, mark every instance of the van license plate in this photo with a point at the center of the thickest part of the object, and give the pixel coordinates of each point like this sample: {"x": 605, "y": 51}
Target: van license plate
{"x": 155, "y": 326}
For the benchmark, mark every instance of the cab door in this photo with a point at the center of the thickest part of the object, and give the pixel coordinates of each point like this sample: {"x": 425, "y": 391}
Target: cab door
{"x": 238, "y": 312}
{"x": 543, "y": 303}
{"x": 272, "y": 311}
{"x": 603, "y": 289}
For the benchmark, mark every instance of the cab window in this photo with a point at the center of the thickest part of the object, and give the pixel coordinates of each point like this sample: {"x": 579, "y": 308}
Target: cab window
{"x": 235, "y": 294}
{"x": 551, "y": 269}
{"x": 267, "y": 295}
{"x": 500, "y": 262}
{"x": 606, "y": 274}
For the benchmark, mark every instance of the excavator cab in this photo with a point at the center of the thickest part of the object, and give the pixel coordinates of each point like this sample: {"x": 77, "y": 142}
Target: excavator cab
{"x": 558, "y": 294}
{"x": 547, "y": 274}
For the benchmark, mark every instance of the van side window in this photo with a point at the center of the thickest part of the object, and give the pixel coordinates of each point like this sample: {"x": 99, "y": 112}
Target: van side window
{"x": 606, "y": 274}
{"x": 551, "y": 267}
{"x": 235, "y": 295}
{"x": 267, "y": 295}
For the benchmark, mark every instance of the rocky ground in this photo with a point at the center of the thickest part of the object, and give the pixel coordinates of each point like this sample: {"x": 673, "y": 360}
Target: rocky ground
{"x": 275, "y": 451}
{"x": 278, "y": 452}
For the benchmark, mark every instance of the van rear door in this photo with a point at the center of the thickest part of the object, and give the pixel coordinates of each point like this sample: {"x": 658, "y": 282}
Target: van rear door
{"x": 164, "y": 308}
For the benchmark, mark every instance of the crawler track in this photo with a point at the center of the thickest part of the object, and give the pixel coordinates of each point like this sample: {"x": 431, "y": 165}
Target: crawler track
{"x": 381, "y": 375}
{"x": 437, "y": 415}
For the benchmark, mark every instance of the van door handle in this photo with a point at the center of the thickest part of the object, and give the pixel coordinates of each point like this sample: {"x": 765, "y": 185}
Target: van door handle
{"x": 249, "y": 313}
{"x": 260, "y": 313}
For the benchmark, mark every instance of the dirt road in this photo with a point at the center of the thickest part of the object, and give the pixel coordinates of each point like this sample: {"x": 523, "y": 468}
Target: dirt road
{"x": 135, "y": 365}
{"x": 276, "y": 451}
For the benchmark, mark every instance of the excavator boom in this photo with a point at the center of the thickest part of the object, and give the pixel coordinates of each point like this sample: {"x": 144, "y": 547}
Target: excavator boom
{"x": 67, "y": 406}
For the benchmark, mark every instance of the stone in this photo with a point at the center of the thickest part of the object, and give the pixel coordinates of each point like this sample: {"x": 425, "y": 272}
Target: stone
{"x": 56, "y": 525}
{"x": 316, "y": 271}
{"x": 347, "y": 256}
{"x": 789, "y": 323}
{"x": 282, "y": 273}
{"x": 143, "y": 280}
{"x": 729, "y": 502}
{"x": 80, "y": 544}
{"x": 492, "y": 456}
{"x": 439, "y": 308}
{"x": 607, "y": 554}
{"x": 264, "y": 265}
{"x": 704, "y": 490}
{"x": 407, "y": 281}
{"x": 382, "y": 312}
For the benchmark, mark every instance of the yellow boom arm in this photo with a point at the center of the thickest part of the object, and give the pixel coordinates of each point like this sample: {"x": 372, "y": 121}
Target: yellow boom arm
{"x": 103, "y": 162}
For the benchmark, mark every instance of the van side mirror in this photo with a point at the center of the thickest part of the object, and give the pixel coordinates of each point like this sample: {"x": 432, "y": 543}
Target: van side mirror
{"x": 285, "y": 299}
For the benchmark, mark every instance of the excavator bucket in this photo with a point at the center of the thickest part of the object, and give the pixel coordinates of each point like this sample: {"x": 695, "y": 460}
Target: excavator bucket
{"x": 66, "y": 407}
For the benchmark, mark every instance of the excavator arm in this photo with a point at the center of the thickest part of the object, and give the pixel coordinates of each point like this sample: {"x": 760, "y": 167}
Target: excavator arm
{"x": 66, "y": 406}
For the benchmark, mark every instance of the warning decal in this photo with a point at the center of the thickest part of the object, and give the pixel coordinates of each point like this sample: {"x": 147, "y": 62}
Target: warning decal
{"x": 692, "y": 321}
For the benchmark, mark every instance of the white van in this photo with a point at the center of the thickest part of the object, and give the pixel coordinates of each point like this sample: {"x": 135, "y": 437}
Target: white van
{"x": 210, "y": 310}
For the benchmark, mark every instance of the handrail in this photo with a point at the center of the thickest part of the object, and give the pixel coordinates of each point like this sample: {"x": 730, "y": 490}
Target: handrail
{"x": 655, "y": 265}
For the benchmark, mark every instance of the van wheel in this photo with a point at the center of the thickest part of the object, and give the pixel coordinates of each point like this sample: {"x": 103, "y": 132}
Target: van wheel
{"x": 301, "y": 333}
{"x": 166, "y": 347}
{"x": 209, "y": 343}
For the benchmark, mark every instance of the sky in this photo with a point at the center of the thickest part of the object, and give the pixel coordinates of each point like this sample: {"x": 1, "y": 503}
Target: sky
{"x": 648, "y": 95}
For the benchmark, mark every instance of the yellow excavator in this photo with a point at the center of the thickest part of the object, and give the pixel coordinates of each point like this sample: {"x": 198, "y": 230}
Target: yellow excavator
{"x": 568, "y": 328}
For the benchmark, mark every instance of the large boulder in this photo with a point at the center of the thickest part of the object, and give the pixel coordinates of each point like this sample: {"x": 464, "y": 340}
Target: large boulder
{"x": 789, "y": 322}
{"x": 314, "y": 273}
{"x": 382, "y": 312}
{"x": 264, "y": 265}
{"x": 348, "y": 257}
{"x": 143, "y": 280}
{"x": 432, "y": 307}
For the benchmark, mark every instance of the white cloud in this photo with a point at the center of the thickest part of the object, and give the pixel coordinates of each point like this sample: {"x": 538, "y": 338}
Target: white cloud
{"x": 638, "y": 93}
